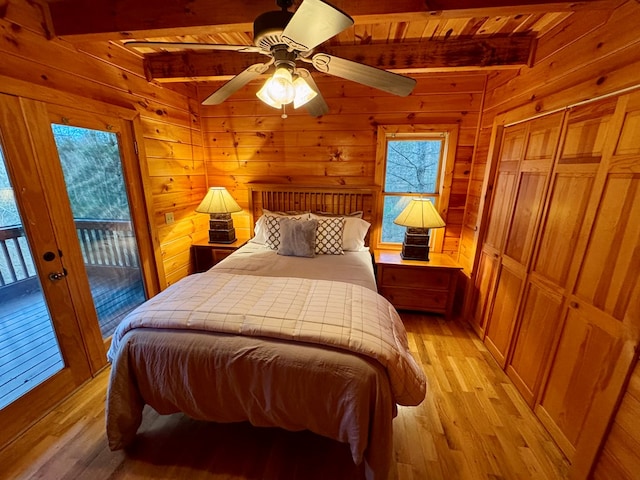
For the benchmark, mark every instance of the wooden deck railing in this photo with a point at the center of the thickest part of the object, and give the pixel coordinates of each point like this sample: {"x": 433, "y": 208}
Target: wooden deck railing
{"x": 103, "y": 244}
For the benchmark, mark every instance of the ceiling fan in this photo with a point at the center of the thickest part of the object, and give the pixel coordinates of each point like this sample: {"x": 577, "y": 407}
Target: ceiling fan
{"x": 287, "y": 38}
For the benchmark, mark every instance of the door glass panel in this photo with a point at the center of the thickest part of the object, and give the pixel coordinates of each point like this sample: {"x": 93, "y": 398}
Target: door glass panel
{"x": 94, "y": 178}
{"x": 29, "y": 349}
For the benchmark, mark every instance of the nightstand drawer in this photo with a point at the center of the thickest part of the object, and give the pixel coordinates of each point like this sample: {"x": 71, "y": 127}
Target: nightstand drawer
{"x": 415, "y": 277}
{"x": 417, "y": 285}
{"x": 416, "y": 299}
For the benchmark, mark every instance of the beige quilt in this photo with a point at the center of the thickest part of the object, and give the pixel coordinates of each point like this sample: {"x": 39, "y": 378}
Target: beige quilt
{"x": 323, "y": 312}
{"x": 324, "y": 356}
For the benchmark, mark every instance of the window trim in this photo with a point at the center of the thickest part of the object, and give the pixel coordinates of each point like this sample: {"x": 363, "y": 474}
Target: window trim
{"x": 421, "y": 131}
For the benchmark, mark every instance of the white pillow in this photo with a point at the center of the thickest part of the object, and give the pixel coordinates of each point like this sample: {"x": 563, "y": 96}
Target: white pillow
{"x": 355, "y": 231}
{"x": 261, "y": 232}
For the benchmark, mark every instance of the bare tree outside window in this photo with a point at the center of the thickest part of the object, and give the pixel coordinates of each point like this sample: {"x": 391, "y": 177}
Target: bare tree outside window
{"x": 412, "y": 169}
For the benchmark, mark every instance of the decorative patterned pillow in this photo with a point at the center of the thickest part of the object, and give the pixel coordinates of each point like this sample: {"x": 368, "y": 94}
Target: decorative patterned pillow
{"x": 329, "y": 236}
{"x": 272, "y": 231}
{"x": 262, "y": 230}
{"x": 354, "y": 233}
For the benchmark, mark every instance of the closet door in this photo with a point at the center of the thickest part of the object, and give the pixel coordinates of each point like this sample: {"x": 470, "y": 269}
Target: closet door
{"x": 601, "y": 315}
{"x": 511, "y": 151}
{"x": 541, "y": 141}
{"x": 571, "y": 187}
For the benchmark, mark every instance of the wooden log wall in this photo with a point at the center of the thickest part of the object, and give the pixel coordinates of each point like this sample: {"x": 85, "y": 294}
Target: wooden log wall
{"x": 247, "y": 141}
{"x": 113, "y": 75}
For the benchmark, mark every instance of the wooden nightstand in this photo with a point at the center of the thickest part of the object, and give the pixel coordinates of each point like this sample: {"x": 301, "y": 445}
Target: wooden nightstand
{"x": 416, "y": 285}
{"x": 206, "y": 255}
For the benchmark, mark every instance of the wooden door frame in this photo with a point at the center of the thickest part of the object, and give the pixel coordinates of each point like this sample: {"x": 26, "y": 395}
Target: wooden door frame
{"x": 136, "y": 150}
{"x": 39, "y": 116}
{"x": 39, "y": 227}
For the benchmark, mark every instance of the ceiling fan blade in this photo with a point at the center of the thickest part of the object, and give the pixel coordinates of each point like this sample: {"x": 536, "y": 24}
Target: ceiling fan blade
{"x": 316, "y": 107}
{"x": 193, "y": 46}
{"x": 313, "y": 23}
{"x": 364, "y": 74}
{"x": 236, "y": 83}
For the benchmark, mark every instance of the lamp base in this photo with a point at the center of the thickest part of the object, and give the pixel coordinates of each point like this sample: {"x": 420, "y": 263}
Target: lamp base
{"x": 415, "y": 252}
{"x": 416, "y": 244}
{"x": 221, "y": 228}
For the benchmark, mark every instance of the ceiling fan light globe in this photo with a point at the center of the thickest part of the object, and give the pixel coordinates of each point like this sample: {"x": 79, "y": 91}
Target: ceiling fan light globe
{"x": 263, "y": 95}
{"x": 304, "y": 92}
{"x": 280, "y": 87}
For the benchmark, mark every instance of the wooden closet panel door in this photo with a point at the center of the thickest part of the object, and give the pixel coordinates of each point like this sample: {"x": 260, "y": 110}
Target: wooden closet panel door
{"x": 599, "y": 340}
{"x": 499, "y": 214}
{"x": 572, "y": 184}
{"x": 512, "y": 149}
{"x": 541, "y": 145}
{"x": 503, "y": 314}
{"x": 581, "y": 369}
{"x": 629, "y": 141}
{"x": 484, "y": 283}
{"x": 534, "y": 340}
{"x": 565, "y": 213}
{"x": 543, "y": 138}
{"x": 611, "y": 264}
{"x": 525, "y": 215}
{"x": 567, "y": 201}
{"x": 511, "y": 152}
{"x": 586, "y": 133}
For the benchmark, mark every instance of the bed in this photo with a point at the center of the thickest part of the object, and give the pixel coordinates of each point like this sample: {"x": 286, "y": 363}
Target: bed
{"x": 297, "y": 342}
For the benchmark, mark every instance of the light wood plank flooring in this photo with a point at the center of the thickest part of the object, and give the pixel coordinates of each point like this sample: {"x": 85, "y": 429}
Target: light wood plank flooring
{"x": 473, "y": 425}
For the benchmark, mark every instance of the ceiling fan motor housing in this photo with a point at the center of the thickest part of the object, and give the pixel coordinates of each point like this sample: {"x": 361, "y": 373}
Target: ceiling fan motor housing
{"x": 268, "y": 27}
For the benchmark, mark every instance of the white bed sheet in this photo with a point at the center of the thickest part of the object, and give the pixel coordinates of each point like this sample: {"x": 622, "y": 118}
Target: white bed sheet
{"x": 255, "y": 259}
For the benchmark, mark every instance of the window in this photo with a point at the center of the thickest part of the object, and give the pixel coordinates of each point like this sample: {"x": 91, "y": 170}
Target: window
{"x": 413, "y": 161}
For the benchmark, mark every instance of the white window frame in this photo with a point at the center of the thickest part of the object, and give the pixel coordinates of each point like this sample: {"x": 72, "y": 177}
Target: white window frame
{"x": 447, "y": 132}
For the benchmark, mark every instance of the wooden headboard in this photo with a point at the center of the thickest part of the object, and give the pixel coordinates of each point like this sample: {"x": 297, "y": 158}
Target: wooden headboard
{"x": 338, "y": 200}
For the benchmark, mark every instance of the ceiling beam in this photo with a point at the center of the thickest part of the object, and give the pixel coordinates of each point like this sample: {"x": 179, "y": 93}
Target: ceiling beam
{"x": 93, "y": 20}
{"x": 405, "y": 57}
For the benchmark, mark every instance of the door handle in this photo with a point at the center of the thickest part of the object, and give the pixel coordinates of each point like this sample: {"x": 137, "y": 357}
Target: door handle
{"x": 55, "y": 276}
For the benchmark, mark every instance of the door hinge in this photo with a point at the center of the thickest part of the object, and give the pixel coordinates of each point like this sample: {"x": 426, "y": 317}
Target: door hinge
{"x": 135, "y": 147}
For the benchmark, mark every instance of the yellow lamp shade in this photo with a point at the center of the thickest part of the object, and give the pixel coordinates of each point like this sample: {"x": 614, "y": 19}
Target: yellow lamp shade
{"x": 218, "y": 200}
{"x": 420, "y": 213}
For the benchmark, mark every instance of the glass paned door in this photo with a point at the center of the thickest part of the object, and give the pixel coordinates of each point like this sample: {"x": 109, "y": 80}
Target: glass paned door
{"x": 92, "y": 168}
{"x": 43, "y": 355}
{"x": 29, "y": 349}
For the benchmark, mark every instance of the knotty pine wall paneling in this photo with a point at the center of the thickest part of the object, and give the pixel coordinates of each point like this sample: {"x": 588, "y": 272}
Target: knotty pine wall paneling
{"x": 109, "y": 73}
{"x": 247, "y": 141}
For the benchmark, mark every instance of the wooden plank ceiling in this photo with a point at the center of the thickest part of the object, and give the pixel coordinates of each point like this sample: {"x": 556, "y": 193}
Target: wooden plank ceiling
{"x": 407, "y": 36}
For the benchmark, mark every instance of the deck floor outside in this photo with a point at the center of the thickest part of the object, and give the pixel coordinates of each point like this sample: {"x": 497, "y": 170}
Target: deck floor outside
{"x": 29, "y": 352}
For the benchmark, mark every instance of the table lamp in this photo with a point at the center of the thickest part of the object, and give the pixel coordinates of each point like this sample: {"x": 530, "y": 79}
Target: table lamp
{"x": 418, "y": 216}
{"x": 219, "y": 204}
